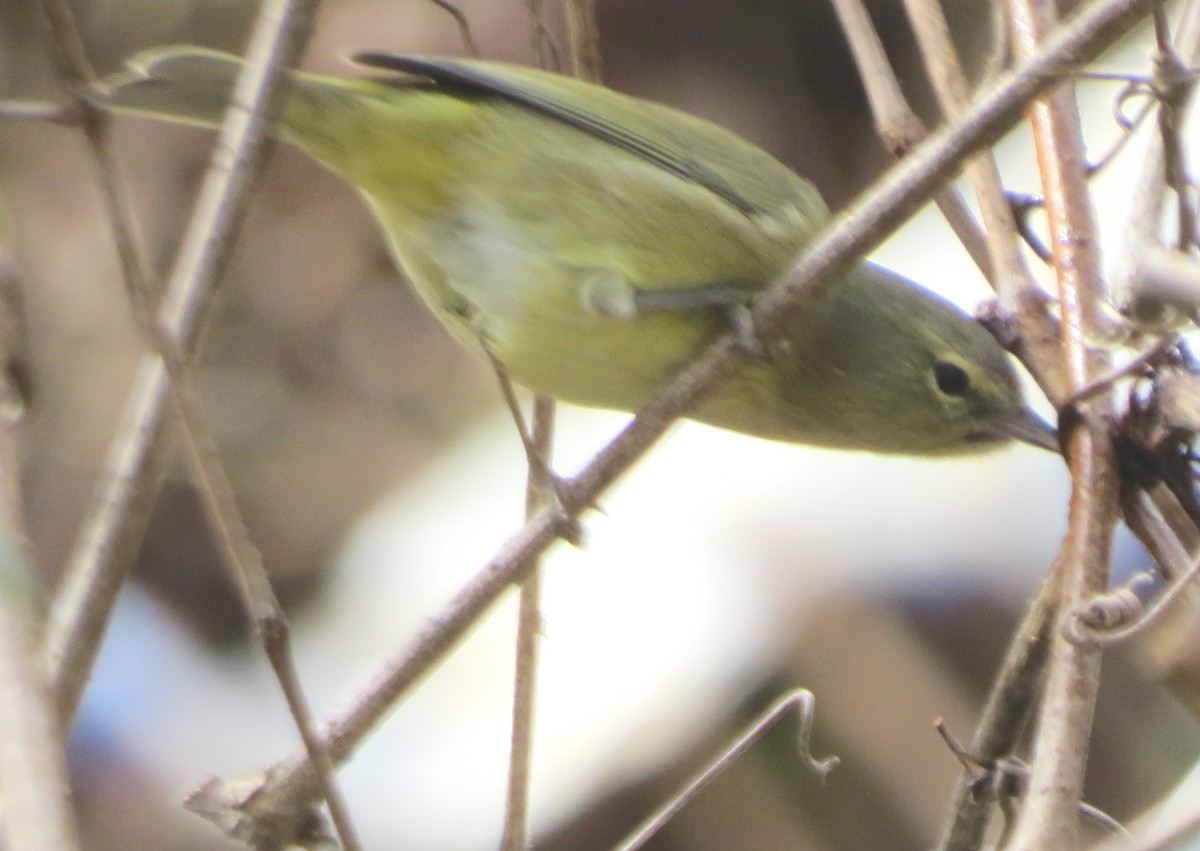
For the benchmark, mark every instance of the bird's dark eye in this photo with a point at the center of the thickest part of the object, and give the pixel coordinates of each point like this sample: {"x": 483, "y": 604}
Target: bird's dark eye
{"x": 951, "y": 378}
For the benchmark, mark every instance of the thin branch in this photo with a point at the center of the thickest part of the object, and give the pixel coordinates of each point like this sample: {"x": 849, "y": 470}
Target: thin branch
{"x": 854, "y": 232}
{"x": 1006, "y": 779}
{"x": 1138, "y": 364}
{"x": 583, "y": 39}
{"x": 995, "y": 252}
{"x": 1174, "y": 84}
{"x": 545, "y": 47}
{"x": 1144, "y": 512}
{"x": 540, "y": 491}
{"x": 244, "y": 562}
{"x": 802, "y": 700}
{"x": 38, "y": 815}
{"x": 1007, "y": 711}
{"x": 1164, "y": 281}
{"x": 1149, "y": 193}
{"x": 240, "y": 555}
{"x": 14, "y": 390}
{"x": 33, "y": 773}
{"x": 1049, "y": 815}
{"x": 898, "y": 126}
{"x": 1165, "y": 834}
{"x": 40, "y": 111}
{"x": 999, "y": 51}
{"x": 116, "y": 522}
{"x": 464, "y": 26}
{"x": 1017, "y": 291}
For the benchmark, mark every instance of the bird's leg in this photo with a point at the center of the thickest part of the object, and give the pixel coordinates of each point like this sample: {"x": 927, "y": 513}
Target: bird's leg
{"x": 553, "y": 496}
{"x": 608, "y": 295}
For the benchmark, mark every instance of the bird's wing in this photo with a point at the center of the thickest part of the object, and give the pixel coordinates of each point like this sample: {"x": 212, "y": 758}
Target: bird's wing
{"x": 744, "y": 176}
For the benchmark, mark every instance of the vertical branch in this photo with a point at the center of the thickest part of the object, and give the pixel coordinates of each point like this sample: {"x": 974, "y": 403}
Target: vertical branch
{"x": 545, "y": 48}
{"x": 1015, "y": 288}
{"x": 1150, "y": 186}
{"x": 117, "y": 519}
{"x": 33, "y": 773}
{"x": 13, "y": 390}
{"x": 995, "y": 253}
{"x": 240, "y": 555}
{"x": 583, "y": 39}
{"x": 1049, "y": 815}
{"x": 1178, "y": 80}
{"x": 541, "y": 490}
{"x": 897, "y": 125}
{"x": 464, "y": 26}
{"x": 1009, "y": 705}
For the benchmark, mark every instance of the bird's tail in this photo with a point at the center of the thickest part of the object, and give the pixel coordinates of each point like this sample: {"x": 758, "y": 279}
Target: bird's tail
{"x": 186, "y": 85}
{"x": 390, "y": 140}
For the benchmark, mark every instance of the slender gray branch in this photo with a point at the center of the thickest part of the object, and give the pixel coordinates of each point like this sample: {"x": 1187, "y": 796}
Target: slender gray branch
{"x": 1049, "y": 816}
{"x": 117, "y": 519}
{"x": 801, "y": 700}
{"x": 38, "y": 814}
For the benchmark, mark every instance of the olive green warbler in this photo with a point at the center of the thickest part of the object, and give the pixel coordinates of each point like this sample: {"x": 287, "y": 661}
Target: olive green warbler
{"x": 594, "y": 244}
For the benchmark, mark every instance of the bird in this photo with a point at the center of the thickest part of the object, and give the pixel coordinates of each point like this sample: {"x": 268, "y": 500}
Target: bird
{"x": 594, "y": 244}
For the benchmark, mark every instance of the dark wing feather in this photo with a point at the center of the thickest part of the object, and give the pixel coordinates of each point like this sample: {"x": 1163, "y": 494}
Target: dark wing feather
{"x": 742, "y": 175}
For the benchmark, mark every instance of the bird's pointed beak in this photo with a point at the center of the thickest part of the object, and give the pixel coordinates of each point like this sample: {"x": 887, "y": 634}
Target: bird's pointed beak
{"x": 1028, "y": 427}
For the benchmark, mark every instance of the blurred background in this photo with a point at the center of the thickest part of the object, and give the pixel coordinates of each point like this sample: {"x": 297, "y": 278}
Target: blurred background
{"x": 378, "y": 472}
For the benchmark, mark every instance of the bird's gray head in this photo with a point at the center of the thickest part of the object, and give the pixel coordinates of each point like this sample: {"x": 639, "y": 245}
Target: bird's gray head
{"x": 882, "y": 364}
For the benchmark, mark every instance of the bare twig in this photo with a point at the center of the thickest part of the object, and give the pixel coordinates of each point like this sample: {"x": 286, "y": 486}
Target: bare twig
{"x": 1017, "y": 291}
{"x": 1006, "y": 779}
{"x": 999, "y": 43}
{"x": 1179, "y": 566}
{"x": 996, "y": 253}
{"x": 545, "y": 47}
{"x": 1163, "y": 281}
{"x": 240, "y": 555}
{"x": 1008, "y": 708}
{"x": 1174, "y": 83}
{"x": 1170, "y": 833}
{"x": 14, "y": 391}
{"x": 1049, "y": 815}
{"x": 33, "y": 772}
{"x": 464, "y": 26}
{"x": 801, "y": 699}
{"x": 117, "y": 519}
{"x": 1139, "y": 363}
{"x": 583, "y": 39}
{"x": 896, "y": 123}
{"x": 36, "y": 110}
{"x": 1150, "y": 187}
{"x": 540, "y": 491}
{"x": 1144, "y": 512}
{"x": 854, "y": 232}
{"x": 244, "y": 562}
